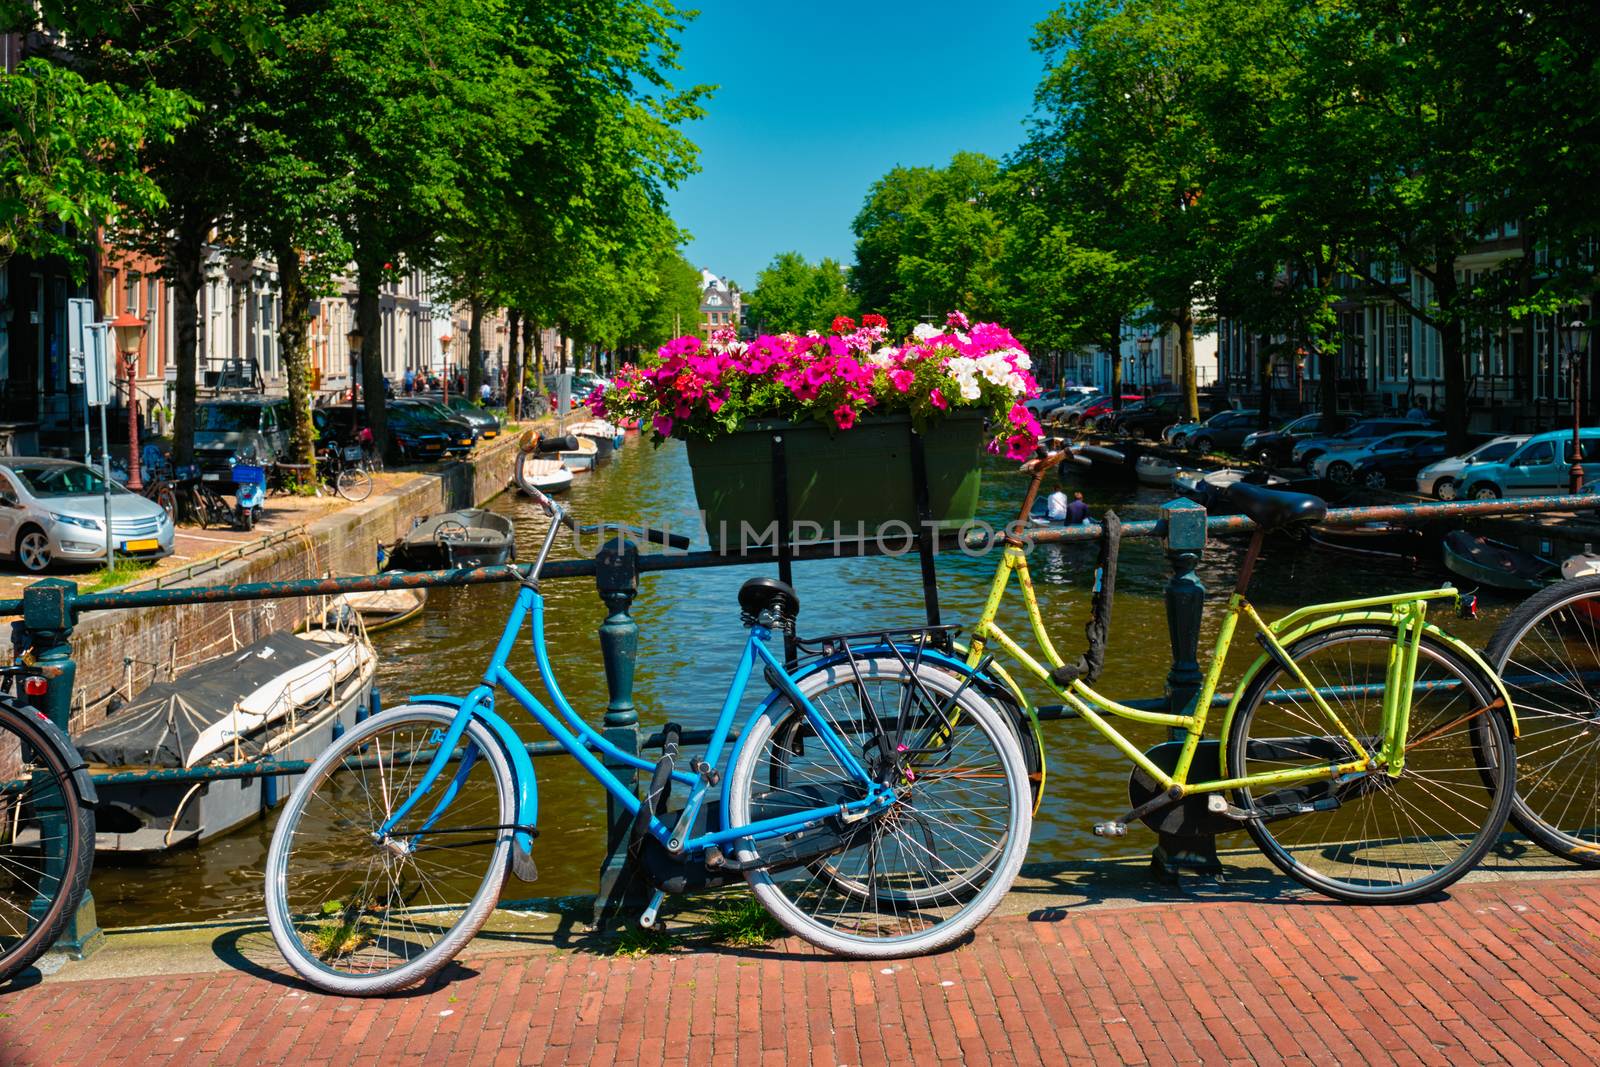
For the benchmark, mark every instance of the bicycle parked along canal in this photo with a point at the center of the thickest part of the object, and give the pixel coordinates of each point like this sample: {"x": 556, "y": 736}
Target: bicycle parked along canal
{"x": 1367, "y": 752}
{"x": 876, "y": 805}
{"x": 46, "y": 827}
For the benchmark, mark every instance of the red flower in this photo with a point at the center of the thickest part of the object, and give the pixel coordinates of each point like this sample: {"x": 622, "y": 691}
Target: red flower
{"x": 844, "y": 416}
{"x": 874, "y": 320}
{"x": 844, "y": 324}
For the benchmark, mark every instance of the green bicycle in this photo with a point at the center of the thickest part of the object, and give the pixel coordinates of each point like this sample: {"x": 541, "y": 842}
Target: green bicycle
{"x": 1369, "y": 754}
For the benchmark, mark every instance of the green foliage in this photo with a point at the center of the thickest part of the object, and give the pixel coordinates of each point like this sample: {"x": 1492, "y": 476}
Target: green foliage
{"x": 928, "y": 240}
{"x": 69, "y": 157}
{"x": 743, "y": 923}
{"x": 794, "y": 296}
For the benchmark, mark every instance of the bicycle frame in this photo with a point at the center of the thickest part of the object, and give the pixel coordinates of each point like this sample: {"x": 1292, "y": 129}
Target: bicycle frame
{"x": 1406, "y": 613}
{"x": 587, "y": 745}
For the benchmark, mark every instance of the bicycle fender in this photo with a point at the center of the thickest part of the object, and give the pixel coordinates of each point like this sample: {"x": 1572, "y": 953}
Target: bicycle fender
{"x": 1350, "y": 618}
{"x": 65, "y": 749}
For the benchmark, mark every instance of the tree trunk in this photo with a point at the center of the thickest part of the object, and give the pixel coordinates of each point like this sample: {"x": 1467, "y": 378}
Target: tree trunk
{"x": 369, "y": 278}
{"x": 1186, "y": 371}
{"x": 1452, "y": 351}
{"x": 1115, "y": 342}
{"x": 538, "y": 352}
{"x": 186, "y": 267}
{"x": 475, "y": 347}
{"x": 513, "y": 367}
{"x": 296, "y": 355}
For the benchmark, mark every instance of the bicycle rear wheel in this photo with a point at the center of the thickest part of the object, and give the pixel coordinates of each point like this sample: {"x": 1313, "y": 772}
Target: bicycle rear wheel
{"x": 353, "y": 483}
{"x": 46, "y": 843}
{"x": 360, "y": 914}
{"x": 919, "y": 875}
{"x": 1375, "y": 838}
{"x": 1548, "y": 655}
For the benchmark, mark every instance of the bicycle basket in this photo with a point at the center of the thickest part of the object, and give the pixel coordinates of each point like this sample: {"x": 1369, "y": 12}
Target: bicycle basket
{"x": 249, "y": 474}
{"x": 350, "y": 453}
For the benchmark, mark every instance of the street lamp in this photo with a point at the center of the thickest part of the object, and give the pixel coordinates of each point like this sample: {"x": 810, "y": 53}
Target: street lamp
{"x": 130, "y": 331}
{"x": 1144, "y": 358}
{"x": 1577, "y": 348}
{"x": 353, "y": 337}
{"x": 444, "y": 358}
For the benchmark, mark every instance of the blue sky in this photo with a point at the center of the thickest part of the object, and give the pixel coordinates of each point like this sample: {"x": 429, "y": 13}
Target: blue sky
{"x": 819, "y": 99}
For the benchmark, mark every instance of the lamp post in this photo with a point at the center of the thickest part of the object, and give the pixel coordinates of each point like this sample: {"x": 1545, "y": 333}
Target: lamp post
{"x": 1144, "y": 359}
{"x": 130, "y": 330}
{"x": 353, "y": 336}
{"x": 1577, "y": 348}
{"x": 444, "y": 358}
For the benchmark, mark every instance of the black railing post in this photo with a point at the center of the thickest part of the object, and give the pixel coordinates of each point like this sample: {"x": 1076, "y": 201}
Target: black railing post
{"x": 616, "y": 579}
{"x": 1186, "y": 600}
{"x": 48, "y": 613}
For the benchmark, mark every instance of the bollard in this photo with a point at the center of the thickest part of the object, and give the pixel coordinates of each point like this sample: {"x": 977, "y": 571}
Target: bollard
{"x": 1185, "y": 523}
{"x": 48, "y": 611}
{"x": 616, "y": 579}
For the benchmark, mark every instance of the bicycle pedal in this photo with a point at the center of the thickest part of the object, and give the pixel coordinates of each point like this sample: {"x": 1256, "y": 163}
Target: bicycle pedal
{"x": 1111, "y": 829}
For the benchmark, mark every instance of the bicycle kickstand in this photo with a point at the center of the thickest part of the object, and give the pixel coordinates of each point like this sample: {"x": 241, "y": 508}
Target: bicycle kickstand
{"x": 648, "y": 919}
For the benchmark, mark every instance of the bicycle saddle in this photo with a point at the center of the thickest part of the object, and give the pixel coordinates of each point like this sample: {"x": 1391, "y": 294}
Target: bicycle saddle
{"x": 1274, "y": 507}
{"x": 768, "y": 594}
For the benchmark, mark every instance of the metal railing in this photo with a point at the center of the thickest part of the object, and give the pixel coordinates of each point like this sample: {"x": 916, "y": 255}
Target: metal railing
{"x": 51, "y": 608}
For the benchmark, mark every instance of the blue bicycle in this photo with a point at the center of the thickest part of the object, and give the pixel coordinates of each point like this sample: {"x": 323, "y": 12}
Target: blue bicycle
{"x": 877, "y": 804}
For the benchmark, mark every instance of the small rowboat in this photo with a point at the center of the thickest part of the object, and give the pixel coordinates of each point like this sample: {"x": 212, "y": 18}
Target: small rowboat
{"x": 1200, "y": 486}
{"x": 1495, "y": 563}
{"x": 471, "y": 537}
{"x": 546, "y": 474}
{"x": 605, "y": 436}
{"x": 583, "y": 457}
{"x": 1373, "y": 539}
{"x": 382, "y": 609}
{"x": 1155, "y": 471}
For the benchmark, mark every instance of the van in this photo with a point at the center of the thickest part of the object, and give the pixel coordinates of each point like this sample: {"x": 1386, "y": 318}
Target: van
{"x": 1541, "y": 467}
{"x": 245, "y": 430}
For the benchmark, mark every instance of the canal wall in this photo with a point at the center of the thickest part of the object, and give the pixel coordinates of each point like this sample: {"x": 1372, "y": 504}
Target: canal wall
{"x": 119, "y": 653}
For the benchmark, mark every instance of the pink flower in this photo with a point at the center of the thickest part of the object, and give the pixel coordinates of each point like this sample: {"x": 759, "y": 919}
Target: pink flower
{"x": 956, "y": 320}
{"x": 902, "y": 378}
{"x": 844, "y": 416}
{"x": 937, "y": 399}
{"x": 715, "y": 402}
{"x": 662, "y": 425}
{"x": 1020, "y": 446}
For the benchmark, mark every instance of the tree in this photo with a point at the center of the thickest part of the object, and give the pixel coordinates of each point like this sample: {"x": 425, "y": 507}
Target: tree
{"x": 69, "y": 155}
{"x": 794, "y": 296}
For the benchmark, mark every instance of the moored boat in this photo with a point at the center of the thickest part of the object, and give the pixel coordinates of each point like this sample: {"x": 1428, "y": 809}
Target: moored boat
{"x": 1495, "y": 563}
{"x": 1373, "y": 539}
{"x": 378, "y": 609}
{"x": 1155, "y": 471}
{"x": 1202, "y": 486}
{"x": 581, "y": 458}
{"x": 545, "y": 473}
{"x": 471, "y": 537}
{"x": 605, "y": 436}
{"x": 282, "y": 698}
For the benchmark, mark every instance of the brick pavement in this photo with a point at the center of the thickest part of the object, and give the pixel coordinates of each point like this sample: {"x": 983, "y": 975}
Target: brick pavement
{"x": 1501, "y": 972}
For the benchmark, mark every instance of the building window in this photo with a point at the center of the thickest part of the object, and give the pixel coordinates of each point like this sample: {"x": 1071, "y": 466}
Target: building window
{"x": 152, "y": 332}
{"x": 269, "y": 336}
{"x": 130, "y": 293}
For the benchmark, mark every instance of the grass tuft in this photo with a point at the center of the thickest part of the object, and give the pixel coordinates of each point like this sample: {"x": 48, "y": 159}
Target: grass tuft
{"x": 125, "y": 571}
{"x": 635, "y": 942}
{"x": 742, "y": 923}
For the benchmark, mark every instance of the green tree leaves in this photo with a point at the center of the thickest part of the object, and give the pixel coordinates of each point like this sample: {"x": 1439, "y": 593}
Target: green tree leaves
{"x": 794, "y": 296}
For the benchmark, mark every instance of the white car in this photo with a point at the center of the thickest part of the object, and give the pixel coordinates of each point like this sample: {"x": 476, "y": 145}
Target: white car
{"x": 1051, "y": 399}
{"x": 1442, "y": 479}
{"x": 1075, "y": 407}
{"x": 1338, "y": 464}
{"x": 54, "y": 510}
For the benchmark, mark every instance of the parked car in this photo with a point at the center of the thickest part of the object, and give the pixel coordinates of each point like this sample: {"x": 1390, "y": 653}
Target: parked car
{"x": 54, "y": 510}
{"x": 1543, "y": 464}
{"x": 1156, "y": 413}
{"x": 1058, "y": 397}
{"x": 1397, "y": 469}
{"x": 1365, "y": 432}
{"x": 462, "y": 435}
{"x": 1275, "y": 446}
{"x": 1222, "y": 432}
{"x": 414, "y": 443}
{"x": 252, "y": 430}
{"x": 486, "y": 423}
{"x": 1089, "y": 415}
{"x": 1070, "y": 411}
{"x": 1339, "y": 464}
{"x": 1440, "y": 480}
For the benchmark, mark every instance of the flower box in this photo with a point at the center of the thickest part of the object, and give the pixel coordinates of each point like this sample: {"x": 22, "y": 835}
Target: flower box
{"x": 849, "y": 483}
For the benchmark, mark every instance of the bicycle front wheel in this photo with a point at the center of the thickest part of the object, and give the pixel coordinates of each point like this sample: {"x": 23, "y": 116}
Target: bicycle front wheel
{"x": 1548, "y": 655}
{"x": 1374, "y": 837}
{"x": 353, "y": 483}
{"x": 46, "y": 843}
{"x": 360, "y": 913}
{"x": 918, "y": 875}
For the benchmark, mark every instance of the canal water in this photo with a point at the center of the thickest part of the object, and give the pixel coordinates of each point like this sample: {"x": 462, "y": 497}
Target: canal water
{"x": 690, "y": 637}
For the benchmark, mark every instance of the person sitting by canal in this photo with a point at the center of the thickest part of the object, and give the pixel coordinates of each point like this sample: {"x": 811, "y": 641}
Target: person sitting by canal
{"x": 1077, "y": 511}
{"x": 1057, "y": 505}
{"x": 1419, "y": 408}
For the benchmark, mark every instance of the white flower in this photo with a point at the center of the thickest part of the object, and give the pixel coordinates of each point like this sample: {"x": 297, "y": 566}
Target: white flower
{"x": 883, "y": 357}
{"x": 1016, "y": 384}
{"x": 969, "y": 386}
{"x": 962, "y": 365}
{"x": 963, "y": 338}
{"x": 995, "y": 368}
{"x": 925, "y": 331}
